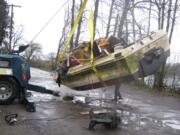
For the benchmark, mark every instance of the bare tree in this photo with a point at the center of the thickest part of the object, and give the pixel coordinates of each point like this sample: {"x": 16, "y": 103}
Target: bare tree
{"x": 133, "y": 22}
{"x": 17, "y": 37}
{"x": 149, "y": 17}
{"x": 173, "y": 20}
{"x": 96, "y": 15}
{"x": 3, "y": 21}
{"x": 72, "y": 22}
{"x": 127, "y": 30}
{"x": 63, "y": 37}
{"x": 52, "y": 60}
{"x": 32, "y": 51}
{"x": 159, "y": 77}
{"x": 110, "y": 17}
{"x": 116, "y": 25}
{"x": 78, "y": 29}
{"x": 169, "y": 15}
{"x": 123, "y": 18}
{"x": 163, "y": 13}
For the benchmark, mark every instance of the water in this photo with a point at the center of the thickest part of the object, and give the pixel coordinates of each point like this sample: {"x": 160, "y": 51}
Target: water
{"x": 168, "y": 81}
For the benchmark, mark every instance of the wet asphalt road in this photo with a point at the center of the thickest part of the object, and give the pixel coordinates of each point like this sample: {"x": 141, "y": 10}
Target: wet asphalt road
{"x": 143, "y": 113}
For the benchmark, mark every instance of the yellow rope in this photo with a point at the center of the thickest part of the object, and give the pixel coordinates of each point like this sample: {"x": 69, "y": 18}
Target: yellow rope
{"x": 91, "y": 30}
{"x": 72, "y": 31}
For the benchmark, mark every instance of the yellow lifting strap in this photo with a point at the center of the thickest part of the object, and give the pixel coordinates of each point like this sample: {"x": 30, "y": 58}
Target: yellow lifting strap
{"x": 91, "y": 19}
{"x": 91, "y": 30}
{"x": 72, "y": 31}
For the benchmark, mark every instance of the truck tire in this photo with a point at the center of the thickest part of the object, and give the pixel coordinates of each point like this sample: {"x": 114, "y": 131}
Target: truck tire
{"x": 8, "y": 90}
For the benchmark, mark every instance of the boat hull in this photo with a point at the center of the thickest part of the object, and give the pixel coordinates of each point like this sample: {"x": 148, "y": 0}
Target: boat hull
{"x": 138, "y": 60}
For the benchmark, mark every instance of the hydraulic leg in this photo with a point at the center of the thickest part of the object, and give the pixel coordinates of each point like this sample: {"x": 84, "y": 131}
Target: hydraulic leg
{"x": 28, "y": 102}
{"x": 41, "y": 89}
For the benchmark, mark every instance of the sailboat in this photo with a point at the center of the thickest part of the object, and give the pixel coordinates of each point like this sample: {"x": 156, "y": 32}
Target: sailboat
{"x": 115, "y": 61}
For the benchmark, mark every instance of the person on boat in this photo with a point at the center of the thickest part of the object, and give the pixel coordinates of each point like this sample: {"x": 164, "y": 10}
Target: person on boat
{"x": 64, "y": 66}
{"x": 74, "y": 61}
{"x": 117, "y": 94}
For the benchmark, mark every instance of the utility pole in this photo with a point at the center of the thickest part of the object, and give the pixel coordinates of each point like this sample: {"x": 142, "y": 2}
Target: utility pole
{"x": 11, "y": 24}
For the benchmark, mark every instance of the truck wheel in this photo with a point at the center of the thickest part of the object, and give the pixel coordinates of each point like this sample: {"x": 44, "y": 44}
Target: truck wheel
{"x": 8, "y": 90}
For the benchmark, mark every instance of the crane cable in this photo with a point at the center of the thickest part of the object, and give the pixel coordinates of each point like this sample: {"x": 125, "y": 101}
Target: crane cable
{"x": 45, "y": 25}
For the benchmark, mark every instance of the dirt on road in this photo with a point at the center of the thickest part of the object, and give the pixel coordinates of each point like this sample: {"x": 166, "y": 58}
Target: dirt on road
{"x": 144, "y": 113}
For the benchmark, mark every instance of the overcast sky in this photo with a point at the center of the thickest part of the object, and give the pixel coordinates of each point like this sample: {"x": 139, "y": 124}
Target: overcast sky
{"x": 33, "y": 14}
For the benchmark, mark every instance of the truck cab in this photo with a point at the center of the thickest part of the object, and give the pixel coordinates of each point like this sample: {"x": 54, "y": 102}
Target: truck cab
{"x": 14, "y": 76}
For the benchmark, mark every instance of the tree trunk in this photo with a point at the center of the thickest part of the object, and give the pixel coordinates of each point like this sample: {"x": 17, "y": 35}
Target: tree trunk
{"x": 169, "y": 15}
{"x": 78, "y": 29}
{"x": 116, "y": 24}
{"x": 96, "y": 15}
{"x": 157, "y": 3}
{"x": 159, "y": 77}
{"x": 133, "y": 22}
{"x": 149, "y": 18}
{"x": 173, "y": 21}
{"x": 127, "y": 31}
{"x": 159, "y": 18}
{"x": 123, "y": 18}
{"x": 162, "y": 17}
{"x": 59, "y": 47}
{"x": 110, "y": 17}
{"x": 61, "y": 41}
{"x": 138, "y": 26}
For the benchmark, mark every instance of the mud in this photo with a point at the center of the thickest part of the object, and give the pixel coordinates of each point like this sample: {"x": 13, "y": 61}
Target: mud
{"x": 142, "y": 113}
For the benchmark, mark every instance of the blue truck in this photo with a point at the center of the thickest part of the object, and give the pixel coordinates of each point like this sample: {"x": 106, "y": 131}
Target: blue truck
{"x": 14, "y": 78}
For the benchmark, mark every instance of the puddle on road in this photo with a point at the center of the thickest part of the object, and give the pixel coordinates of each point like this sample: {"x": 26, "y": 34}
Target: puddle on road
{"x": 142, "y": 121}
{"x": 133, "y": 116}
{"x": 39, "y": 97}
{"x": 172, "y": 123}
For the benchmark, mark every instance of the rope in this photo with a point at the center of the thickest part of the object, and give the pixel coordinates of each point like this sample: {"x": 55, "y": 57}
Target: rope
{"x": 72, "y": 31}
{"x": 91, "y": 30}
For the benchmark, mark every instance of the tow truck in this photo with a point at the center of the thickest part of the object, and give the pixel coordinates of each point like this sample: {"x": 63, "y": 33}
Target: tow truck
{"x": 14, "y": 79}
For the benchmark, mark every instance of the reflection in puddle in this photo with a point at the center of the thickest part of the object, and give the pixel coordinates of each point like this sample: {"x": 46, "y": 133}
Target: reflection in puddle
{"x": 131, "y": 117}
{"x": 39, "y": 97}
{"x": 141, "y": 121}
{"x": 172, "y": 123}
